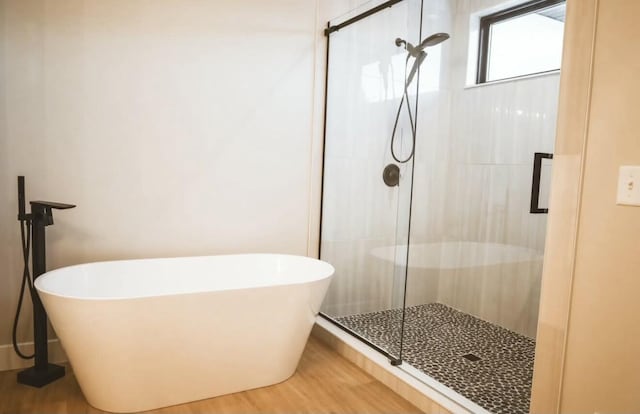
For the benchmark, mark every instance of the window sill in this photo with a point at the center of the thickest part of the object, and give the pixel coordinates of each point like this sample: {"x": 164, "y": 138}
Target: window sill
{"x": 514, "y": 79}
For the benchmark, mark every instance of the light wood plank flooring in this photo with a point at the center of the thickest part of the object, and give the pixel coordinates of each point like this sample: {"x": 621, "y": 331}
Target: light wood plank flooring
{"x": 325, "y": 382}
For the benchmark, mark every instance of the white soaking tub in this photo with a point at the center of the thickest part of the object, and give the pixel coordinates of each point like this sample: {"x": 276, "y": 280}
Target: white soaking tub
{"x": 145, "y": 334}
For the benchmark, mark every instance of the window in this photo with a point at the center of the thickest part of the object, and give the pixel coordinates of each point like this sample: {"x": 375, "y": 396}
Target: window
{"x": 521, "y": 40}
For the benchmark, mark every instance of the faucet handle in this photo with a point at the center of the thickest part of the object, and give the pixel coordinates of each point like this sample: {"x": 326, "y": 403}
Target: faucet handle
{"x": 52, "y": 204}
{"x": 46, "y": 206}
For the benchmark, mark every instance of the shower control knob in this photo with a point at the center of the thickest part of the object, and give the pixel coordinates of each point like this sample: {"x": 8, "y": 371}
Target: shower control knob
{"x": 391, "y": 175}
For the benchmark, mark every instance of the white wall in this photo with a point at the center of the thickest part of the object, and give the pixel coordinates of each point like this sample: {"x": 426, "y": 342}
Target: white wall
{"x": 177, "y": 127}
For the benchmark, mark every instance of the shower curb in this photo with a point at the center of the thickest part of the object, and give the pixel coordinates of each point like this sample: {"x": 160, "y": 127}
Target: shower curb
{"x": 427, "y": 398}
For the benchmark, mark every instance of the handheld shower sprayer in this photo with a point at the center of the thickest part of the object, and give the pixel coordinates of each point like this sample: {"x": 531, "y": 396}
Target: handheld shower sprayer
{"x": 433, "y": 40}
{"x": 418, "y": 53}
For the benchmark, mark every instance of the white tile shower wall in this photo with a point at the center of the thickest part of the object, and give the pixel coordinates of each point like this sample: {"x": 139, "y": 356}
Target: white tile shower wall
{"x": 472, "y": 183}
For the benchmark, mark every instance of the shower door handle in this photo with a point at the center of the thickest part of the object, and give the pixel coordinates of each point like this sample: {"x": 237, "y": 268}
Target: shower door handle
{"x": 535, "y": 182}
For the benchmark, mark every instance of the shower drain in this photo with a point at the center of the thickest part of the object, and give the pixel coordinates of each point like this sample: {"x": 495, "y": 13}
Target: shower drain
{"x": 471, "y": 357}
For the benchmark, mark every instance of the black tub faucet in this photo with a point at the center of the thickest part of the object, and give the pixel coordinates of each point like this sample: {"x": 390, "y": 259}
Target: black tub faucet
{"x": 41, "y": 215}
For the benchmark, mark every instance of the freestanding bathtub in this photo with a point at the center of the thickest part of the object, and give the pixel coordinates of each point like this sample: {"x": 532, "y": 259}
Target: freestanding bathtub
{"x": 145, "y": 334}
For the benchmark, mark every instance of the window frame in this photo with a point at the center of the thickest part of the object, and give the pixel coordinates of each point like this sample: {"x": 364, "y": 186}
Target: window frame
{"x": 484, "y": 33}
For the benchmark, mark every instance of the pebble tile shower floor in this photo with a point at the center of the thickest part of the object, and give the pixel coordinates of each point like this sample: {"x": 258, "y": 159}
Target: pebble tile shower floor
{"x": 438, "y": 341}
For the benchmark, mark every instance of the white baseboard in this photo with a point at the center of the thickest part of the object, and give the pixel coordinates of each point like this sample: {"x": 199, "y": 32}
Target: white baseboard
{"x": 9, "y": 360}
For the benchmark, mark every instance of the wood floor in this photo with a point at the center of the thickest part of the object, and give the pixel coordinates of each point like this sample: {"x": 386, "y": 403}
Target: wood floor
{"x": 325, "y": 382}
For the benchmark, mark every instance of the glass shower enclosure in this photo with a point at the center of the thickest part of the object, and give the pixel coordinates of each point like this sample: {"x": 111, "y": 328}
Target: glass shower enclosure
{"x": 438, "y": 259}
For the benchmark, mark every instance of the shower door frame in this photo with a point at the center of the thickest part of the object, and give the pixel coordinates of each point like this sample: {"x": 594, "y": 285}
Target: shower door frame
{"x": 393, "y": 360}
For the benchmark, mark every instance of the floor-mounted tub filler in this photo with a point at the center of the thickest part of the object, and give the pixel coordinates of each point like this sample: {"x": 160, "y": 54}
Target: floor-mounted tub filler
{"x": 145, "y": 334}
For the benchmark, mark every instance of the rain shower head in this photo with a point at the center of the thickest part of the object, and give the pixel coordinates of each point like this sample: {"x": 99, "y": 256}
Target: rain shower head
{"x": 415, "y": 51}
{"x": 433, "y": 40}
{"x": 418, "y": 51}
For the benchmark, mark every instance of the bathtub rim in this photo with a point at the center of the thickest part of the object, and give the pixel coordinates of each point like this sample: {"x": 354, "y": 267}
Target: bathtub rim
{"x": 326, "y": 273}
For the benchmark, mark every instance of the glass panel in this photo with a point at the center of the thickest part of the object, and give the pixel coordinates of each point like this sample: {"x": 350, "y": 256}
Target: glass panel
{"x": 526, "y": 44}
{"x": 365, "y": 222}
{"x": 466, "y": 314}
{"x": 476, "y": 252}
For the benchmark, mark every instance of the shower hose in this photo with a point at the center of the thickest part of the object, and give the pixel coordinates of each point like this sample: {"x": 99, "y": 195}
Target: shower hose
{"x": 405, "y": 98}
{"x": 25, "y": 233}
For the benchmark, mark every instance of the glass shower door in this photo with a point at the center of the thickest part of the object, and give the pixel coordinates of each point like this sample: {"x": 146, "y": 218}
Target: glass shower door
{"x": 460, "y": 305}
{"x": 366, "y": 193}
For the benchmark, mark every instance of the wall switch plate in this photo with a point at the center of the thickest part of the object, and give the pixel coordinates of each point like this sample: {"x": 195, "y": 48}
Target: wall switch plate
{"x": 629, "y": 185}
